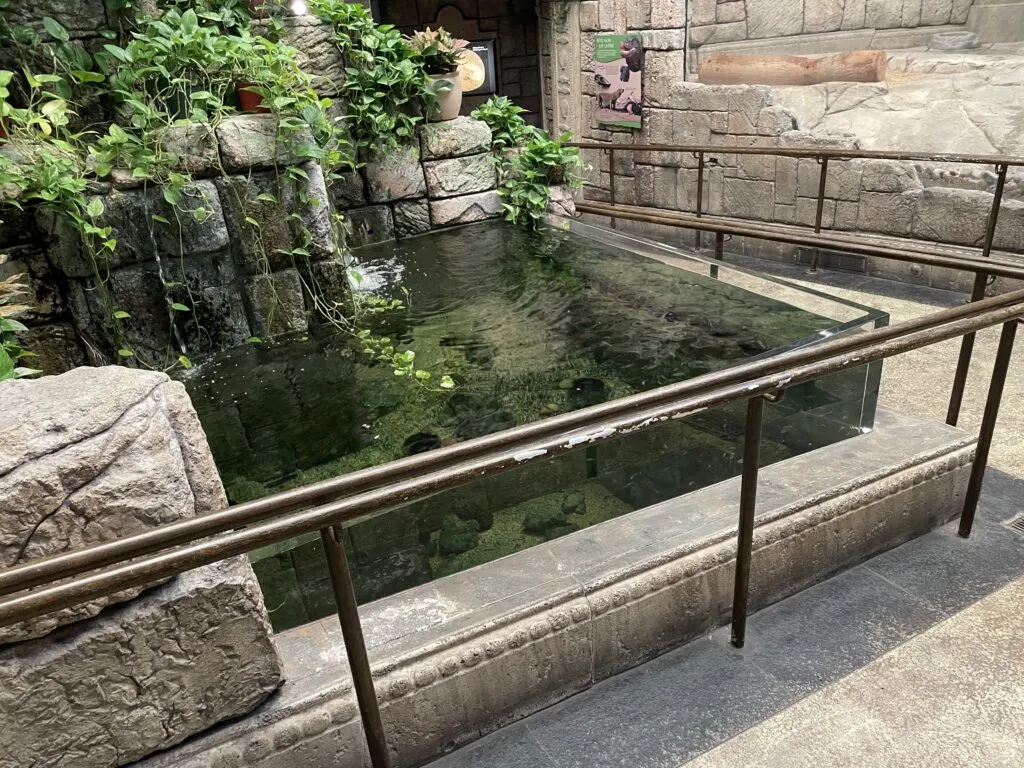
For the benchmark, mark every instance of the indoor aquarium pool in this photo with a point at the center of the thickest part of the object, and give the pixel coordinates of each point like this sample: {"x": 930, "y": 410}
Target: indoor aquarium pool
{"x": 528, "y": 324}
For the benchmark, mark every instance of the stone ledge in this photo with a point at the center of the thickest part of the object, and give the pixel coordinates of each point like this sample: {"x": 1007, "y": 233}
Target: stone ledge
{"x": 552, "y": 620}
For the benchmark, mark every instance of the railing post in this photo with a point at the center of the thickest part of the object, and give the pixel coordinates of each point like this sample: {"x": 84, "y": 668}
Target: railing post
{"x": 355, "y": 646}
{"x": 700, "y": 197}
{"x": 988, "y": 426}
{"x": 822, "y": 179}
{"x": 719, "y": 254}
{"x": 611, "y": 182}
{"x": 963, "y": 363}
{"x": 745, "y": 535}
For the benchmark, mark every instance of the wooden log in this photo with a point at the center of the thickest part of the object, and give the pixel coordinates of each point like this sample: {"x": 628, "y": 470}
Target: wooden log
{"x": 745, "y": 69}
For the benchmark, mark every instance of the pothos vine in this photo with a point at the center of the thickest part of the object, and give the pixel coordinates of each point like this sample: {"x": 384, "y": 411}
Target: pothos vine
{"x": 178, "y": 70}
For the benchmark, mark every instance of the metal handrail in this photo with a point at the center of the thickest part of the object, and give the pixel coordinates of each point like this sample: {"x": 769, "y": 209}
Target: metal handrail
{"x": 36, "y": 572}
{"x": 1001, "y": 162}
{"x": 829, "y": 152}
{"x": 753, "y": 382}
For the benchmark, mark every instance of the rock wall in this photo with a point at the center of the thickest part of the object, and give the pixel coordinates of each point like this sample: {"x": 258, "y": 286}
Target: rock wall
{"x": 92, "y": 456}
{"x": 232, "y": 253}
{"x": 766, "y": 21}
{"x": 885, "y": 197}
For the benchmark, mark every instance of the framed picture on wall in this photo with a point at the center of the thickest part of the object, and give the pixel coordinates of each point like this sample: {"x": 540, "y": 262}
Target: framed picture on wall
{"x": 618, "y": 75}
{"x": 478, "y": 66}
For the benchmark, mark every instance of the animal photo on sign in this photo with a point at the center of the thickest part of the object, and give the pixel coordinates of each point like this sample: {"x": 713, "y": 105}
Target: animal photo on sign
{"x": 618, "y": 76}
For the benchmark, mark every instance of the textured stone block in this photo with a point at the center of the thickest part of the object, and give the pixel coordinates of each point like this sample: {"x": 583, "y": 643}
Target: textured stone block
{"x": 561, "y": 202}
{"x": 251, "y": 141}
{"x": 883, "y": 14}
{"x": 462, "y": 210}
{"x": 259, "y": 210}
{"x": 749, "y": 199}
{"x": 589, "y": 16}
{"x": 704, "y": 12}
{"x": 952, "y": 215}
{"x": 774, "y": 121}
{"x": 662, "y": 70}
{"x": 82, "y": 18}
{"x": 348, "y": 192}
{"x": 372, "y": 224}
{"x": 196, "y": 225}
{"x": 412, "y": 217}
{"x": 91, "y": 456}
{"x": 454, "y": 138}
{"x": 317, "y": 51}
{"x": 891, "y": 214}
{"x": 853, "y": 14}
{"x": 665, "y": 14}
{"x": 141, "y": 677}
{"x": 195, "y": 144}
{"x": 460, "y": 176}
{"x": 276, "y": 304}
{"x": 774, "y": 18}
{"x": 396, "y": 176}
{"x": 889, "y": 176}
{"x": 936, "y": 12}
{"x": 730, "y": 12}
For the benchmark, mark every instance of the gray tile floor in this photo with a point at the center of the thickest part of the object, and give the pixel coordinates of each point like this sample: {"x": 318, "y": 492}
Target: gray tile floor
{"x": 688, "y": 701}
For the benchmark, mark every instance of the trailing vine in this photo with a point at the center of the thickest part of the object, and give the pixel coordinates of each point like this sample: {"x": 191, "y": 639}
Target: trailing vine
{"x": 529, "y": 161}
{"x": 183, "y": 70}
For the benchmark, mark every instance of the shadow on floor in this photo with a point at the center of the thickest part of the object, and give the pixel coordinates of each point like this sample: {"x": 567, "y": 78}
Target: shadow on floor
{"x": 688, "y": 701}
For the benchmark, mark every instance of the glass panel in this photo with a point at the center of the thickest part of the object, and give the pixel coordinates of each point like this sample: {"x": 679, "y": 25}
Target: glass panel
{"x": 530, "y": 325}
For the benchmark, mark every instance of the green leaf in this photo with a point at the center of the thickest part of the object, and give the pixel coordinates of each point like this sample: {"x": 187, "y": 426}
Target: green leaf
{"x": 125, "y": 353}
{"x": 6, "y": 365}
{"x": 254, "y": 340}
{"x": 56, "y": 30}
{"x": 180, "y": 307}
{"x": 7, "y": 325}
{"x": 172, "y": 195}
{"x": 120, "y": 314}
{"x": 161, "y": 219}
{"x": 200, "y": 214}
{"x": 447, "y": 382}
{"x": 94, "y": 208}
{"x": 185, "y": 362}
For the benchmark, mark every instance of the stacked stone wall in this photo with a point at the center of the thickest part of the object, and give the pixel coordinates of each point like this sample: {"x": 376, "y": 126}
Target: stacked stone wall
{"x": 257, "y": 257}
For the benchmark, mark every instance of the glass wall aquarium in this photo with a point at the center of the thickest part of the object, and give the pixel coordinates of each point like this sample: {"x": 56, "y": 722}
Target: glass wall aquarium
{"x": 528, "y": 324}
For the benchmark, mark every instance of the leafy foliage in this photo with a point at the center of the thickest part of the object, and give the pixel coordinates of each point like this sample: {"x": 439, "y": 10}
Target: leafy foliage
{"x": 10, "y": 351}
{"x": 441, "y": 53}
{"x": 508, "y": 129}
{"x": 529, "y": 161}
{"x": 386, "y": 90}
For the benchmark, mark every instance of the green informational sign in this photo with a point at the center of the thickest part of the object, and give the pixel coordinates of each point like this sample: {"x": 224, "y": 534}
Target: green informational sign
{"x": 618, "y": 75}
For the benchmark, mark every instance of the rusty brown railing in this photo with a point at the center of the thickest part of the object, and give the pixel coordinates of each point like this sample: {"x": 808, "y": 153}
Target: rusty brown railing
{"x": 39, "y": 587}
{"x": 1001, "y": 163}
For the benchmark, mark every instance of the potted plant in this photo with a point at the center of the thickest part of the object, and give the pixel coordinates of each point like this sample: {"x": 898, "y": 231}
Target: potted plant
{"x": 440, "y": 55}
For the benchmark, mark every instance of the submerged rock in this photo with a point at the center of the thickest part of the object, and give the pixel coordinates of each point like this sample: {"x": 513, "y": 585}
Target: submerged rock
{"x": 587, "y": 391}
{"x": 574, "y": 503}
{"x": 457, "y": 536}
{"x": 538, "y": 521}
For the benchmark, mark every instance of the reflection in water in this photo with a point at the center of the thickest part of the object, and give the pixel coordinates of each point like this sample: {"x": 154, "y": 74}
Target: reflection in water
{"x": 529, "y": 325}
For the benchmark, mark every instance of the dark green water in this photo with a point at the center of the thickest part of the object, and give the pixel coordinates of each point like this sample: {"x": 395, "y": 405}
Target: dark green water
{"x": 529, "y": 325}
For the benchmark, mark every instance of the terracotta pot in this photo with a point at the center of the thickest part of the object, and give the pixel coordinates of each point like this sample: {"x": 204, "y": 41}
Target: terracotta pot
{"x": 250, "y": 101}
{"x": 449, "y": 100}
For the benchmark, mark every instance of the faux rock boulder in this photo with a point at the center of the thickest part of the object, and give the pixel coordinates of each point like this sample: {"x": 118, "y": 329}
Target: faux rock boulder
{"x": 93, "y": 455}
{"x": 141, "y": 677}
